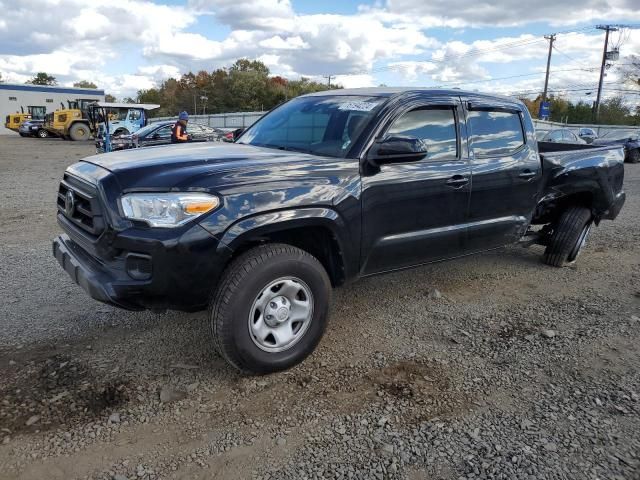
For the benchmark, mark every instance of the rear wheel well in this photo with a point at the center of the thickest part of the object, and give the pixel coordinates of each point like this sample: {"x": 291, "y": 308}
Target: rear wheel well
{"x": 550, "y": 212}
{"x": 318, "y": 241}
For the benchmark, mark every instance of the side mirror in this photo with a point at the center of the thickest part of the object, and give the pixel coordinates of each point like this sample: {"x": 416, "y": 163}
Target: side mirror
{"x": 237, "y": 133}
{"x": 397, "y": 149}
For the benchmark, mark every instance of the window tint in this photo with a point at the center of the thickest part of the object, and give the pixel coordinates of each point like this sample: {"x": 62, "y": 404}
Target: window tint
{"x": 437, "y": 127}
{"x": 495, "y": 132}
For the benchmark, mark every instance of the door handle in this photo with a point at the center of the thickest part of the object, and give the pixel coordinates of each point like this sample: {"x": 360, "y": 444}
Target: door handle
{"x": 527, "y": 174}
{"x": 457, "y": 181}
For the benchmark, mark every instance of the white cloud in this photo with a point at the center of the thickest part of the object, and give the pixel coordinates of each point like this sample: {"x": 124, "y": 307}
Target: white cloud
{"x": 457, "y": 13}
{"x": 83, "y": 40}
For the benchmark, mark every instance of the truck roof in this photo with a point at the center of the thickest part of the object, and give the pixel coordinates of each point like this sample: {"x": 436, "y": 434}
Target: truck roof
{"x": 392, "y": 91}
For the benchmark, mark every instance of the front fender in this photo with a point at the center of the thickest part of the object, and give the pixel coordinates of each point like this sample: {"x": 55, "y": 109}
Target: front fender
{"x": 261, "y": 225}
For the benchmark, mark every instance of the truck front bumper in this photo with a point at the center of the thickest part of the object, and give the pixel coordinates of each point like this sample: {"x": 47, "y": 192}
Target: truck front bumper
{"x": 176, "y": 274}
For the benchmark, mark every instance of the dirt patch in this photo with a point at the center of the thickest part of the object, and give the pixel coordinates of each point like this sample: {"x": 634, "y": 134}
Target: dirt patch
{"x": 55, "y": 390}
{"x": 425, "y": 390}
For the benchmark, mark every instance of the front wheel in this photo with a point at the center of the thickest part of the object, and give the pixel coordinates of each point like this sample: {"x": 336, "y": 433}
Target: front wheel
{"x": 79, "y": 132}
{"x": 42, "y": 133}
{"x": 568, "y": 237}
{"x": 633, "y": 156}
{"x": 270, "y": 308}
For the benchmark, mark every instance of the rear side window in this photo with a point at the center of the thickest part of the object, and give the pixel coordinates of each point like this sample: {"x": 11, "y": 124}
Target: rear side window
{"x": 495, "y": 132}
{"x": 436, "y": 126}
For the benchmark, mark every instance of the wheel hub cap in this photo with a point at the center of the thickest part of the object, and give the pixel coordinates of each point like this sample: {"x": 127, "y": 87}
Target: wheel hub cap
{"x": 281, "y": 314}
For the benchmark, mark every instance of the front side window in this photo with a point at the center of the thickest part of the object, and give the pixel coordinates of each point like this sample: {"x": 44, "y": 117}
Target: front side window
{"x": 495, "y": 132}
{"x": 435, "y": 126}
{"x": 163, "y": 132}
{"x": 320, "y": 125}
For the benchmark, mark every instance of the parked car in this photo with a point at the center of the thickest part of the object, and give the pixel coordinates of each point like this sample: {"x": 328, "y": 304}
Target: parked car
{"x": 587, "y": 134}
{"x": 229, "y": 134}
{"x": 629, "y": 139}
{"x": 159, "y": 133}
{"x": 326, "y": 188}
{"x": 33, "y": 128}
{"x": 559, "y": 135}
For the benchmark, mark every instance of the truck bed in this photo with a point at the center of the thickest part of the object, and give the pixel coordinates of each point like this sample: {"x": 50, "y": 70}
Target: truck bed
{"x": 597, "y": 171}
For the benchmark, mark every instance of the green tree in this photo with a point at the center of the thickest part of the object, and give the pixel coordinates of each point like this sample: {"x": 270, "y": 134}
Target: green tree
{"x": 109, "y": 98}
{"x": 43, "y": 78}
{"x": 85, "y": 84}
{"x": 614, "y": 111}
{"x": 245, "y": 85}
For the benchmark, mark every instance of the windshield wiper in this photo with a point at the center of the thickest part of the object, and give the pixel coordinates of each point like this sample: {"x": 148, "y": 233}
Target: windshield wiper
{"x": 282, "y": 147}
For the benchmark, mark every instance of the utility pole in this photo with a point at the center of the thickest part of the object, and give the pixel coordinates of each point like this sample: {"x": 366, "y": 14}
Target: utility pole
{"x": 328, "y": 77}
{"x": 607, "y": 29}
{"x": 551, "y": 38}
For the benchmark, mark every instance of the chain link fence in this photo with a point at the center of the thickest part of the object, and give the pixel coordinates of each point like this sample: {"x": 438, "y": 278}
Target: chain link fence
{"x": 220, "y": 120}
{"x": 599, "y": 129}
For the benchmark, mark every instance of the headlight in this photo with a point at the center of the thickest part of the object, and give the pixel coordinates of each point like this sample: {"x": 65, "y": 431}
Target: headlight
{"x": 167, "y": 209}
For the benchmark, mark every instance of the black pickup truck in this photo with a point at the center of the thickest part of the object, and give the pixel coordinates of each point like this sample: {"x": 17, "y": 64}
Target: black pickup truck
{"x": 325, "y": 189}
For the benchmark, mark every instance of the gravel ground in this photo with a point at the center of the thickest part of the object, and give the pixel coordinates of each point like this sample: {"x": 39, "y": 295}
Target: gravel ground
{"x": 490, "y": 367}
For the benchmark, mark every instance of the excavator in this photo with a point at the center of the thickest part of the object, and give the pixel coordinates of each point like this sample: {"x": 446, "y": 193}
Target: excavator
{"x": 14, "y": 120}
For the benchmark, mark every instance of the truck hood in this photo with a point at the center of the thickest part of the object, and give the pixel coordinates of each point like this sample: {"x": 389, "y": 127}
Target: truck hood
{"x": 172, "y": 165}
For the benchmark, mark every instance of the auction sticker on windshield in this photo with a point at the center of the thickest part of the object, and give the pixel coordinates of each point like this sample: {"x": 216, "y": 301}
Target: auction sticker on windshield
{"x": 358, "y": 106}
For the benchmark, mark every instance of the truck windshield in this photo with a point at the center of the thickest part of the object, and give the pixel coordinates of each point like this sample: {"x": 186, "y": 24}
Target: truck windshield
{"x": 320, "y": 125}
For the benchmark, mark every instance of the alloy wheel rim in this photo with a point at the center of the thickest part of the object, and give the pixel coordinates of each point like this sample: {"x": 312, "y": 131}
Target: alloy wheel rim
{"x": 281, "y": 314}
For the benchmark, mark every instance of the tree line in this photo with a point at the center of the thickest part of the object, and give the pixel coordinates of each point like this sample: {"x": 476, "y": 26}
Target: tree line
{"x": 245, "y": 86}
{"x": 613, "y": 111}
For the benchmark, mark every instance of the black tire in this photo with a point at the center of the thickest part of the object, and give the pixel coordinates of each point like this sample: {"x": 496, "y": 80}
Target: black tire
{"x": 233, "y": 301}
{"x": 633, "y": 156}
{"x": 79, "y": 132}
{"x": 42, "y": 133}
{"x": 22, "y": 134}
{"x": 568, "y": 236}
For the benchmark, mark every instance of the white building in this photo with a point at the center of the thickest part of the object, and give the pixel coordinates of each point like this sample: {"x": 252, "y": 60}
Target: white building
{"x": 39, "y": 100}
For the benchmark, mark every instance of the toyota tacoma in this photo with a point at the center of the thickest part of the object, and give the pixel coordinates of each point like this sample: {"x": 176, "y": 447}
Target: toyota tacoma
{"x": 325, "y": 189}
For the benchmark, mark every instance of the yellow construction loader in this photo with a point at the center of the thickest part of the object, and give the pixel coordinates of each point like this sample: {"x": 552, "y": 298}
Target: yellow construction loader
{"x": 71, "y": 123}
{"x": 14, "y": 120}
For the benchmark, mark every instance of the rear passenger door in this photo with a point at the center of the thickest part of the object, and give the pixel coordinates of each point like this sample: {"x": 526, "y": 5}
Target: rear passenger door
{"x": 505, "y": 174}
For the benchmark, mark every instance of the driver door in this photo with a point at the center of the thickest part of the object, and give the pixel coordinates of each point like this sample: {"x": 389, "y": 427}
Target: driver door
{"x": 415, "y": 212}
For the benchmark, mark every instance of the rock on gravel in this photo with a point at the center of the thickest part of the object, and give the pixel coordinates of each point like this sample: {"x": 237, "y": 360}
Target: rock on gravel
{"x": 171, "y": 394}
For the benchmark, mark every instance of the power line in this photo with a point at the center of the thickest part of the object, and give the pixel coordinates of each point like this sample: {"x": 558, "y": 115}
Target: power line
{"x": 476, "y": 52}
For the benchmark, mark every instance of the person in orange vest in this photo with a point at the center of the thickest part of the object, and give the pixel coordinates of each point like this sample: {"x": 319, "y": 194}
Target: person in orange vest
{"x": 179, "y": 130}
